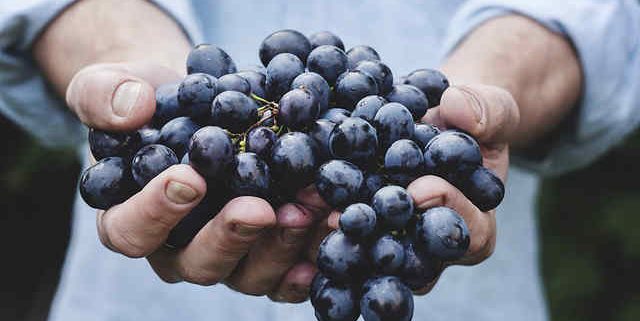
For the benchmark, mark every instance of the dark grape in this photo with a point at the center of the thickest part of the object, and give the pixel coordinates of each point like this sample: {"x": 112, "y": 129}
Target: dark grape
{"x": 380, "y": 72}
{"x": 325, "y": 38}
{"x": 336, "y": 302}
{"x": 298, "y": 109}
{"x": 442, "y": 233}
{"x": 394, "y": 207}
{"x": 386, "y": 299}
{"x": 167, "y": 105}
{"x": 317, "y": 84}
{"x": 260, "y": 140}
{"x": 368, "y": 106}
{"x": 372, "y": 183}
{"x": 284, "y": 41}
{"x": 320, "y": 132}
{"x": 387, "y": 255}
{"x": 361, "y": 53}
{"x": 393, "y": 121}
{"x": 328, "y": 61}
{"x": 410, "y": 97}
{"x": 234, "y": 111}
{"x": 294, "y": 160}
{"x": 335, "y": 115}
{"x": 148, "y": 136}
{"x": 209, "y": 59}
{"x": 251, "y": 176}
{"x": 339, "y": 182}
{"x": 432, "y": 82}
{"x": 452, "y": 155}
{"x": 342, "y": 260}
{"x": 423, "y": 133}
{"x": 354, "y": 140}
{"x": 106, "y": 183}
{"x": 176, "y": 134}
{"x": 318, "y": 282}
{"x": 403, "y": 162}
{"x": 211, "y": 152}
{"x": 483, "y": 188}
{"x": 233, "y": 82}
{"x": 281, "y": 71}
{"x": 150, "y": 161}
{"x": 418, "y": 270}
{"x": 352, "y": 86}
{"x": 358, "y": 221}
{"x": 110, "y": 144}
{"x": 195, "y": 94}
{"x": 256, "y": 82}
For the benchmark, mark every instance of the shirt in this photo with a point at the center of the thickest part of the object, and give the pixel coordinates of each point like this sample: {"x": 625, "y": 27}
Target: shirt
{"x": 100, "y": 285}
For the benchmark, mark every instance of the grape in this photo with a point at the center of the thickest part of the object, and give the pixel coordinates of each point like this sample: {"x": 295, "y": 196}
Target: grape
{"x": 211, "y": 152}
{"x": 452, "y": 155}
{"x": 320, "y": 132}
{"x": 167, "y": 105}
{"x": 418, "y": 270}
{"x": 339, "y": 182}
{"x": 341, "y": 259}
{"x": 335, "y": 302}
{"x": 380, "y": 72}
{"x": 325, "y": 38}
{"x": 335, "y": 115}
{"x": 298, "y": 109}
{"x": 410, "y": 97}
{"x": 354, "y": 140}
{"x": 148, "y": 136}
{"x": 483, "y": 188}
{"x": 150, "y": 161}
{"x": 109, "y": 144}
{"x": 260, "y": 140}
{"x": 387, "y": 255}
{"x": 386, "y": 299}
{"x": 361, "y": 53}
{"x": 318, "y": 282}
{"x": 233, "y": 82}
{"x": 393, "y": 121}
{"x": 106, "y": 183}
{"x": 403, "y": 162}
{"x": 372, "y": 183}
{"x": 423, "y": 133}
{"x": 284, "y": 41}
{"x": 281, "y": 71}
{"x": 317, "y": 84}
{"x": 209, "y": 59}
{"x": 234, "y": 111}
{"x": 368, "y": 106}
{"x": 294, "y": 160}
{"x": 251, "y": 176}
{"x": 393, "y": 206}
{"x": 358, "y": 221}
{"x": 176, "y": 134}
{"x": 256, "y": 82}
{"x": 195, "y": 94}
{"x": 432, "y": 83}
{"x": 352, "y": 86}
{"x": 442, "y": 233}
{"x": 328, "y": 61}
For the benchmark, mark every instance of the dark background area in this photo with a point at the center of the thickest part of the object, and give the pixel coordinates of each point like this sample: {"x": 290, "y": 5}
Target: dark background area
{"x": 588, "y": 219}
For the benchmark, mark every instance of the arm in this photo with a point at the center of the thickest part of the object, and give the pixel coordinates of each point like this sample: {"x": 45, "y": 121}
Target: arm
{"x": 107, "y": 57}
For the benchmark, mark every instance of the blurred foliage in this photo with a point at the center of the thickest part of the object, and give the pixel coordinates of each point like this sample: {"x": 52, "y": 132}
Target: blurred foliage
{"x": 590, "y": 246}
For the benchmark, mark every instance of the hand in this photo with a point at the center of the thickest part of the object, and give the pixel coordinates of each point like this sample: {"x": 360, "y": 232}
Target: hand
{"x": 248, "y": 246}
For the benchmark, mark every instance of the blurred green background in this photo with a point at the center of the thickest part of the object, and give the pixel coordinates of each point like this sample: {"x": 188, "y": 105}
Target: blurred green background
{"x": 590, "y": 247}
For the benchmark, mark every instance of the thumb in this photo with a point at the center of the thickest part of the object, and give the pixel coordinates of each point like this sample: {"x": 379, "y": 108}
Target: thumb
{"x": 117, "y": 96}
{"x": 488, "y": 113}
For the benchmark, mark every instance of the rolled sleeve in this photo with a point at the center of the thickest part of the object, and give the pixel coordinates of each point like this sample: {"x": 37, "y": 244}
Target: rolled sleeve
{"x": 25, "y": 97}
{"x": 606, "y": 35}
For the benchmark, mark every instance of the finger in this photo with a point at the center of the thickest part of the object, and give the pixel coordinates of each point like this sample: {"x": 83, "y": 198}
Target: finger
{"x": 217, "y": 249}
{"x": 116, "y": 96}
{"x": 321, "y": 230}
{"x": 432, "y": 191}
{"x": 141, "y": 224}
{"x": 269, "y": 259}
{"x": 311, "y": 199}
{"x": 295, "y": 285}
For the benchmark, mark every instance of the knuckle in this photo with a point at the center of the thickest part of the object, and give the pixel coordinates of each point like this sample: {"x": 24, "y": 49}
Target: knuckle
{"x": 129, "y": 245}
{"x": 201, "y": 277}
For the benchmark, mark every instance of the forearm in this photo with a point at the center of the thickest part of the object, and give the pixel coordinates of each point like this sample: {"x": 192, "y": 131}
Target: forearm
{"x": 96, "y": 31}
{"x": 538, "y": 67}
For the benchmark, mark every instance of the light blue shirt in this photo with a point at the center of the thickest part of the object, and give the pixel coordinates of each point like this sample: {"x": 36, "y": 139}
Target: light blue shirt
{"x": 100, "y": 285}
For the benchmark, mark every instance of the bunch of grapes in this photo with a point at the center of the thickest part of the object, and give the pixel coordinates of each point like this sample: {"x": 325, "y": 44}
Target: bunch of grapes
{"x": 314, "y": 114}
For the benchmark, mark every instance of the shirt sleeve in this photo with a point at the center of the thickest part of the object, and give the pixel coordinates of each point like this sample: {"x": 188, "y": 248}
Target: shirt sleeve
{"x": 606, "y": 35}
{"x": 25, "y": 97}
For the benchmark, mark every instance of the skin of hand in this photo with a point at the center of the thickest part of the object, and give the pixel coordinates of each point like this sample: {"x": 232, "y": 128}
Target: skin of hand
{"x": 107, "y": 57}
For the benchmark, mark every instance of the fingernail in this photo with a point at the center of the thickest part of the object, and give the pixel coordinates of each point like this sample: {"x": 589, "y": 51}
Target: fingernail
{"x": 247, "y": 230}
{"x": 180, "y": 193}
{"x": 293, "y": 235}
{"x": 125, "y": 98}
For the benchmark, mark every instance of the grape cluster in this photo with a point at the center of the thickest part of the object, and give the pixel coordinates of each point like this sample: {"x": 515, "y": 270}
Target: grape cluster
{"x": 314, "y": 114}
